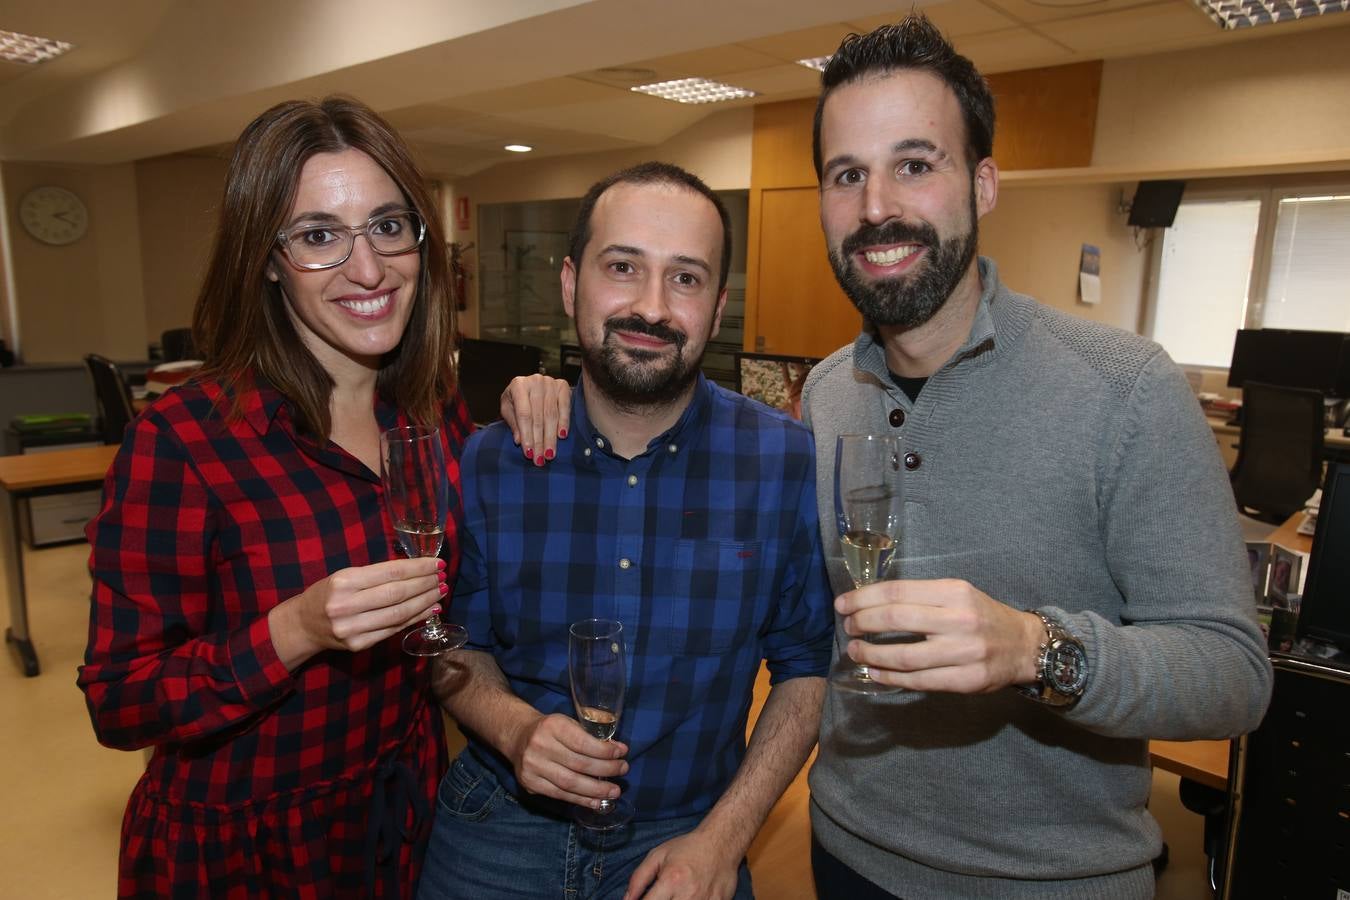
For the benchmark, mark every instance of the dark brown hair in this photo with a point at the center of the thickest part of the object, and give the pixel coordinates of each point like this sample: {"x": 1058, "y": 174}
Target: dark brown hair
{"x": 914, "y": 43}
{"x": 240, "y": 324}
{"x": 649, "y": 173}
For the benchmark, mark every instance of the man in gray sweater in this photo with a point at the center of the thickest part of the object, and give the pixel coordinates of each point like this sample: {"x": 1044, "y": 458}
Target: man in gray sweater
{"x": 1071, "y": 555}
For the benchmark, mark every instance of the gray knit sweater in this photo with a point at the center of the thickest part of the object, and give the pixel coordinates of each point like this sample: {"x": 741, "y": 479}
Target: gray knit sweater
{"x": 1064, "y": 465}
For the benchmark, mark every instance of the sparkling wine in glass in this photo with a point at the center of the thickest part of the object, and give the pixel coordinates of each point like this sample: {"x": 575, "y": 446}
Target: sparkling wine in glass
{"x": 868, "y": 506}
{"x": 595, "y": 662}
{"x": 417, "y": 493}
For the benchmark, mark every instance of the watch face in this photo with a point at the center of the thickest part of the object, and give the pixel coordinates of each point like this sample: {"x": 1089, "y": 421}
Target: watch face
{"x": 1067, "y": 668}
{"x": 53, "y": 215}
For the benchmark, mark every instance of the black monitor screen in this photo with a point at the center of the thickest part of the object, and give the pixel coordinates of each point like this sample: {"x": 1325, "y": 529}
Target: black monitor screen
{"x": 1318, "y": 360}
{"x": 1325, "y": 612}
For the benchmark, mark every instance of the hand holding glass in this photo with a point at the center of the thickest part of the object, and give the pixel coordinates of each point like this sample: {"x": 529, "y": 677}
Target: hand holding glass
{"x": 417, "y": 493}
{"x": 869, "y": 509}
{"x": 595, "y": 662}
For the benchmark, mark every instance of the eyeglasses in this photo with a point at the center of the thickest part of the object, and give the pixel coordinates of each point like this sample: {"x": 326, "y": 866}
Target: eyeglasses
{"x": 325, "y": 245}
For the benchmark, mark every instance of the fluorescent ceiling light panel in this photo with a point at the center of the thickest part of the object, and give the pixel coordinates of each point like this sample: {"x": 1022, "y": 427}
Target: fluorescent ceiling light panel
{"x": 1231, "y": 14}
{"x": 693, "y": 90}
{"x": 815, "y": 62}
{"x": 24, "y": 48}
{"x": 518, "y": 148}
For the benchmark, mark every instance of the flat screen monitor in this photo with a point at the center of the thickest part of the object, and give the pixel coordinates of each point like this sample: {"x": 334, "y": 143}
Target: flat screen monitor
{"x": 1155, "y": 203}
{"x": 774, "y": 380}
{"x": 1325, "y": 613}
{"x": 1317, "y": 360}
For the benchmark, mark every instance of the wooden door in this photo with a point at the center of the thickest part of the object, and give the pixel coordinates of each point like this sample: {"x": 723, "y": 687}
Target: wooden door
{"x": 799, "y": 309}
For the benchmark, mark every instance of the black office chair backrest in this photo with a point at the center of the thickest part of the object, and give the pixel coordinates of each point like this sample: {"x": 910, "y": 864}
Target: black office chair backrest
{"x": 1279, "y": 462}
{"x": 176, "y": 344}
{"x": 113, "y": 395}
{"x": 569, "y": 363}
{"x": 1289, "y": 831}
{"x": 486, "y": 368}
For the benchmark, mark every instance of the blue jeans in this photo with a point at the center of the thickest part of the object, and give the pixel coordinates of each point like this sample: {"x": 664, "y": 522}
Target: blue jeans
{"x": 486, "y": 844}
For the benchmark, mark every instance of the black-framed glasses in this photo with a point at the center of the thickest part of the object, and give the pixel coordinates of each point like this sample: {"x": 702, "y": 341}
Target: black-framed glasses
{"x": 323, "y": 245}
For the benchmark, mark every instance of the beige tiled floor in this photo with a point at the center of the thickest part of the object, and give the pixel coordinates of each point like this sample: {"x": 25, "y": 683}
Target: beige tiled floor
{"x": 63, "y": 794}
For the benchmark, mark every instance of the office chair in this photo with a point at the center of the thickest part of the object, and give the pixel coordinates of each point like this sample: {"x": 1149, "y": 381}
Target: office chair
{"x": 486, "y": 368}
{"x": 1279, "y": 461}
{"x": 113, "y": 395}
{"x": 569, "y": 363}
{"x": 176, "y": 344}
{"x": 1289, "y": 830}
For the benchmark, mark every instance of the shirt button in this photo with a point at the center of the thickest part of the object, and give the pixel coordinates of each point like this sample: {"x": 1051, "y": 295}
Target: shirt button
{"x": 913, "y": 460}
{"x": 624, "y": 563}
{"x": 599, "y": 442}
{"x": 897, "y": 417}
{"x": 587, "y": 451}
{"x": 672, "y": 448}
{"x": 632, "y": 481}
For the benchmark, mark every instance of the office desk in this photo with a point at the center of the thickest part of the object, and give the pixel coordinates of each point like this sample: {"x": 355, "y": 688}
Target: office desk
{"x": 35, "y": 475}
{"x": 1202, "y": 761}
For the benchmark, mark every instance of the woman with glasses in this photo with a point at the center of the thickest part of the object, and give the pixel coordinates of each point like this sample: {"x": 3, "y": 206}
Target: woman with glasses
{"x": 246, "y": 583}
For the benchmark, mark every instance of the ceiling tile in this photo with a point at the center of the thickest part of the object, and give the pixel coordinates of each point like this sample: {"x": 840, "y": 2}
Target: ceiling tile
{"x": 1013, "y": 48}
{"x": 1033, "y": 11}
{"x": 708, "y": 63}
{"x": 774, "y": 81}
{"x": 804, "y": 44}
{"x": 1144, "y": 28}
{"x": 955, "y": 18}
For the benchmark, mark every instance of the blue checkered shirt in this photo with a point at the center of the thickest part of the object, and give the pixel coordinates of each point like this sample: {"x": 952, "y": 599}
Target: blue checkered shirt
{"x": 706, "y": 547}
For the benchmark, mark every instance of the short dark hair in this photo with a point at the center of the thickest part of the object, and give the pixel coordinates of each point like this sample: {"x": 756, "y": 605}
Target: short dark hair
{"x": 240, "y": 321}
{"x": 649, "y": 173}
{"x": 913, "y": 43}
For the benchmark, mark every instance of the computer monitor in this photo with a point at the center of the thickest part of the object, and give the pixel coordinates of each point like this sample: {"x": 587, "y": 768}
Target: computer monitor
{"x": 773, "y": 379}
{"x": 1317, "y": 360}
{"x": 1325, "y": 613}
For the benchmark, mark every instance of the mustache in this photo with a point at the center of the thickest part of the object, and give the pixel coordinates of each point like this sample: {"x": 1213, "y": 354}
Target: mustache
{"x": 893, "y": 232}
{"x": 639, "y": 325}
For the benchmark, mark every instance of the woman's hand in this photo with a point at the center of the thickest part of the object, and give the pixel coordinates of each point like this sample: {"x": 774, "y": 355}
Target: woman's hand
{"x": 354, "y": 609}
{"x": 537, "y": 409}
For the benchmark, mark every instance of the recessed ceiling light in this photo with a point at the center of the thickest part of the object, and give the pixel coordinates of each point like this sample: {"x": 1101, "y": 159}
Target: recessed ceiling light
{"x": 24, "y": 48}
{"x": 693, "y": 90}
{"x": 1230, "y": 14}
{"x": 815, "y": 62}
{"x": 518, "y": 148}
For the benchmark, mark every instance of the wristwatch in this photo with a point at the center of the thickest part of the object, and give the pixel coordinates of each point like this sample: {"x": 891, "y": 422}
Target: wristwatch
{"x": 1061, "y": 666}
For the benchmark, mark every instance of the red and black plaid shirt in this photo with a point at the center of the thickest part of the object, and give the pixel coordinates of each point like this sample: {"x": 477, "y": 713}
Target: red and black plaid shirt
{"x": 263, "y": 781}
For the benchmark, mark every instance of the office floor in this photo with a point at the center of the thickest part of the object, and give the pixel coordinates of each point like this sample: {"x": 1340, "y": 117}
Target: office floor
{"x": 62, "y": 795}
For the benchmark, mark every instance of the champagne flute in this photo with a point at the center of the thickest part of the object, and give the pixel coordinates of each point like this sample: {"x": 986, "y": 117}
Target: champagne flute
{"x": 868, "y": 507}
{"x": 417, "y": 493}
{"x": 595, "y": 662}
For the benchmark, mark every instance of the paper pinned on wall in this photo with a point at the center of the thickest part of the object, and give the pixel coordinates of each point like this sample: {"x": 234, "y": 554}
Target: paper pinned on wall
{"x": 1090, "y": 275}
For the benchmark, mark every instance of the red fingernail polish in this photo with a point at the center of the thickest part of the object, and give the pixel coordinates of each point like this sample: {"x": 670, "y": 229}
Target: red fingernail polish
{"x": 440, "y": 564}
{"x": 548, "y": 454}
{"x": 529, "y": 453}
{"x": 562, "y": 432}
{"x": 443, "y": 588}
{"x": 435, "y": 610}
{"x": 440, "y": 575}
{"x": 539, "y": 460}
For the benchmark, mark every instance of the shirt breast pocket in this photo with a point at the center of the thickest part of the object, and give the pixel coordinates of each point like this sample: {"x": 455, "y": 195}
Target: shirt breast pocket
{"x": 719, "y": 596}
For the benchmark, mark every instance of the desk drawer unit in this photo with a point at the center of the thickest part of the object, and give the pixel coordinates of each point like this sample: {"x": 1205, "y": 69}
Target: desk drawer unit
{"x": 59, "y": 518}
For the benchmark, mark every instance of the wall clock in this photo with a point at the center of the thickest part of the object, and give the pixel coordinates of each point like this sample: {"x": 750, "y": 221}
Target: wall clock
{"x": 53, "y": 215}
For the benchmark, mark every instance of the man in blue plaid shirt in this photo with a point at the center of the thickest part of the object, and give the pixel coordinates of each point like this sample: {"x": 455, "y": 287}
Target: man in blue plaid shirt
{"x": 682, "y": 510}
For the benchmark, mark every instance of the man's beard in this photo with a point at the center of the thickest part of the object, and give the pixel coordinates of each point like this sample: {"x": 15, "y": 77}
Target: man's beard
{"x": 906, "y": 301}
{"x": 627, "y": 375}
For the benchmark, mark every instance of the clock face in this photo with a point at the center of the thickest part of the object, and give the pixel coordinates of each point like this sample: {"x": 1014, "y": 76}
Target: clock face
{"x": 53, "y": 215}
